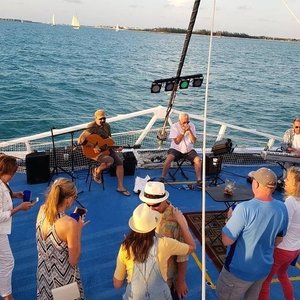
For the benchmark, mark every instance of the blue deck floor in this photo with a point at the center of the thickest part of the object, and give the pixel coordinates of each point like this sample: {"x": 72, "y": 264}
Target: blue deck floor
{"x": 109, "y": 212}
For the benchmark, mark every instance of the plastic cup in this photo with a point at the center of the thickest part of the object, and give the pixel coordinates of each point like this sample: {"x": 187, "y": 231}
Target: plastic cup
{"x": 26, "y": 195}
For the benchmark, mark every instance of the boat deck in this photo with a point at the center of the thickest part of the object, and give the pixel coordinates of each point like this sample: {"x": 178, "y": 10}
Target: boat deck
{"x": 109, "y": 212}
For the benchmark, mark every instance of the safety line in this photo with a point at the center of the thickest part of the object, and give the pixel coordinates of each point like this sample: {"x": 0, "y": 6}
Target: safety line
{"x": 207, "y": 277}
{"x": 291, "y": 12}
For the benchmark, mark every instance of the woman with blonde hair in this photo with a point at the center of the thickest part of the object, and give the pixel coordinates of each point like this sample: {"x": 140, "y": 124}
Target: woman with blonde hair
{"x": 144, "y": 255}
{"x": 8, "y": 168}
{"x": 58, "y": 239}
{"x": 289, "y": 248}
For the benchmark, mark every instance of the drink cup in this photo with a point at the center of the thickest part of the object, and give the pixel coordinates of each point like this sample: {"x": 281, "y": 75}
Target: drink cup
{"x": 26, "y": 195}
{"x": 229, "y": 187}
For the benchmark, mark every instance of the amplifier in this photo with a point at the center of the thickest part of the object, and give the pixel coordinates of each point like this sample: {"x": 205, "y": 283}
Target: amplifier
{"x": 129, "y": 164}
{"x": 37, "y": 167}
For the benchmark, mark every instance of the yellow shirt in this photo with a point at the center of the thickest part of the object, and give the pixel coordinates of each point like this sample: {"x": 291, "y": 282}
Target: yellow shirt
{"x": 166, "y": 247}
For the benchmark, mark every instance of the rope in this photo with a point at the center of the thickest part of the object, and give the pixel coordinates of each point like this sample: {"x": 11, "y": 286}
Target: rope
{"x": 291, "y": 12}
{"x": 162, "y": 134}
{"x": 203, "y": 282}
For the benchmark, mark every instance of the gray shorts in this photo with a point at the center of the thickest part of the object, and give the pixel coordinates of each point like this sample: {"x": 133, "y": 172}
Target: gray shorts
{"x": 229, "y": 287}
{"x": 114, "y": 158}
{"x": 190, "y": 156}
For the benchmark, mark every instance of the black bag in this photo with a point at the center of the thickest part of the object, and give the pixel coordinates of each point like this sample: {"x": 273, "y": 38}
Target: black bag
{"x": 221, "y": 147}
{"x": 129, "y": 164}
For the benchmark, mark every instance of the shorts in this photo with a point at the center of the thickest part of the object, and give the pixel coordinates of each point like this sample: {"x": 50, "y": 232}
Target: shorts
{"x": 190, "y": 156}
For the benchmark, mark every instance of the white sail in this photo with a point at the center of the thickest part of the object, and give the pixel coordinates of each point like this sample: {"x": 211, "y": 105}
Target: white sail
{"x": 53, "y": 21}
{"x": 117, "y": 27}
{"x": 75, "y": 22}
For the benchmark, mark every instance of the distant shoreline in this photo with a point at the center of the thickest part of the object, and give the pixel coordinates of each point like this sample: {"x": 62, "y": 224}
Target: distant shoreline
{"x": 174, "y": 30}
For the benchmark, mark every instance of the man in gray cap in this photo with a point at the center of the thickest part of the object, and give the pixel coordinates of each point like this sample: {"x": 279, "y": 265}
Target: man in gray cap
{"x": 251, "y": 233}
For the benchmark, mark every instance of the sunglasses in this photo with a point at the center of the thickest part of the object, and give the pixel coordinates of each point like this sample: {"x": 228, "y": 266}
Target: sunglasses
{"x": 154, "y": 205}
{"x": 102, "y": 119}
{"x": 296, "y": 127}
{"x": 187, "y": 122}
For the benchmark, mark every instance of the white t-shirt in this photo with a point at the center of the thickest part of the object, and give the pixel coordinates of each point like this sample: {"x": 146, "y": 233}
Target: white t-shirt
{"x": 291, "y": 241}
{"x": 186, "y": 144}
{"x": 296, "y": 142}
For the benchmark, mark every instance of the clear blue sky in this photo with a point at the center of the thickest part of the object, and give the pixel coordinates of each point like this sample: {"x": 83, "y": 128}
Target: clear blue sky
{"x": 254, "y": 17}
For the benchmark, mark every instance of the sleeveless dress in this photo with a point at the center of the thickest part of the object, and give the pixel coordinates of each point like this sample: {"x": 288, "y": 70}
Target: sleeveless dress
{"x": 147, "y": 282}
{"x": 53, "y": 264}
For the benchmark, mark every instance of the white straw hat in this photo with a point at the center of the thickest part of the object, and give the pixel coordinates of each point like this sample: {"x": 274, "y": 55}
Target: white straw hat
{"x": 144, "y": 219}
{"x": 154, "y": 192}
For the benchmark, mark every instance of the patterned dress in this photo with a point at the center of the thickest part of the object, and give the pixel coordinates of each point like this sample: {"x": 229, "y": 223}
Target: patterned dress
{"x": 53, "y": 264}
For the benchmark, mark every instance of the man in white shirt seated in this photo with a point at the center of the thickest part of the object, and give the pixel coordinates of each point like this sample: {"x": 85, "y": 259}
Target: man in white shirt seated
{"x": 183, "y": 138}
{"x": 291, "y": 138}
{"x": 291, "y": 142}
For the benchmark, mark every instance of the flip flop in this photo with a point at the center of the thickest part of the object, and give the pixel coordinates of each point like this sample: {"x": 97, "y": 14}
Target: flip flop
{"x": 96, "y": 177}
{"x": 124, "y": 192}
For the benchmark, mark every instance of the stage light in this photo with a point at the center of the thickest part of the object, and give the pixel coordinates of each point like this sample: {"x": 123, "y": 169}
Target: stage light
{"x": 181, "y": 82}
{"x": 197, "y": 81}
{"x": 184, "y": 84}
{"x": 155, "y": 87}
{"x": 169, "y": 86}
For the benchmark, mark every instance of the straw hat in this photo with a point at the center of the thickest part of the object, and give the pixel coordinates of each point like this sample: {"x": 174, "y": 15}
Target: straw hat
{"x": 144, "y": 219}
{"x": 154, "y": 192}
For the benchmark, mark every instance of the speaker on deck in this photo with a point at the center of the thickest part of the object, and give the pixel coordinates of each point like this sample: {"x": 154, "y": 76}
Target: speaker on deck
{"x": 213, "y": 164}
{"x": 37, "y": 167}
{"x": 129, "y": 164}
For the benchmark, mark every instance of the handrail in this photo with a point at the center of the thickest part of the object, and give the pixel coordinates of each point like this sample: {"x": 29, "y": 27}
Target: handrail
{"x": 158, "y": 113}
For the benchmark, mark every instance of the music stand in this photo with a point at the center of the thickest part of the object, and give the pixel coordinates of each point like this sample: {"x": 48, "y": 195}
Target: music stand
{"x": 217, "y": 165}
{"x": 56, "y": 167}
{"x": 219, "y": 149}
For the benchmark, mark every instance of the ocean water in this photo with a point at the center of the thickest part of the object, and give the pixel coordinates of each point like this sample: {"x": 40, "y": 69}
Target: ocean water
{"x": 57, "y": 77}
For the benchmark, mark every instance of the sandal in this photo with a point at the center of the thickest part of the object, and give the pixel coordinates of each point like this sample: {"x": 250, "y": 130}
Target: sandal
{"x": 96, "y": 176}
{"x": 124, "y": 192}
{"x": 199, "y": 184}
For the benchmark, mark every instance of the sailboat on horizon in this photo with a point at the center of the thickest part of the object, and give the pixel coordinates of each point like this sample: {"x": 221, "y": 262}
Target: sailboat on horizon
{"x": 53, "y": 21}
{"x": 75, "y": 22}
{"x": 117, "y": 27}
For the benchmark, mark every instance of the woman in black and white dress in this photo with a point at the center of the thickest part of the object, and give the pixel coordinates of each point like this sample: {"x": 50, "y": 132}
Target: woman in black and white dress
{"x": 58, "y": 239}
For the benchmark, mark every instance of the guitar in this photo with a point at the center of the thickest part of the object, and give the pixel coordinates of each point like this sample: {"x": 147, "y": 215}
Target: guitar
{"x": 102, "y": 144}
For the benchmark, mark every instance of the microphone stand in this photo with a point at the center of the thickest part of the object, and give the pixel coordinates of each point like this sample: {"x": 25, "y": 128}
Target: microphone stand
{"x": 56, "y": 166}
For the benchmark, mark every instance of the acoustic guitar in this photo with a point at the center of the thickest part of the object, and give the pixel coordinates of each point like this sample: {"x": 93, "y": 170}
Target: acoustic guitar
{"x": 95, "y": 142}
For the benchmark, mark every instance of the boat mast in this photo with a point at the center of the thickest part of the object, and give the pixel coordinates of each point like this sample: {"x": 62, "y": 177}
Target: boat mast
{"x": 162, "y": 134}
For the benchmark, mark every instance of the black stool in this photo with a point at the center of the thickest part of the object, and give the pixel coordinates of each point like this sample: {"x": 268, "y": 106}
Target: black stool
{"x": 179, "y": 161}
{"x": 89, "y": 177}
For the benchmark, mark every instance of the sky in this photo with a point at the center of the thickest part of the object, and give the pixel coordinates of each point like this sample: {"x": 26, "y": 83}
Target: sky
{"x": 273, "y": 18}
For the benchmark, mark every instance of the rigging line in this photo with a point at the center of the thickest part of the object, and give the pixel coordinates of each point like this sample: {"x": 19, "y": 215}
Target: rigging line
{"x": 203, "y": 282}
{"x": 162, "y": 132}
{"x": 291, "y": 12}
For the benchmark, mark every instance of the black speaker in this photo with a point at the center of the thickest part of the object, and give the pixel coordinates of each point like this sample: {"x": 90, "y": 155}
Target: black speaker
{"x": 129, "y": 164}
{"x": 213, "y": 164}
{"x": 37, "y": 167}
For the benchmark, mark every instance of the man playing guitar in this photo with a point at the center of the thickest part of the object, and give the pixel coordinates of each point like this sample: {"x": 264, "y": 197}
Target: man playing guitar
{"x": 91, "y": 139}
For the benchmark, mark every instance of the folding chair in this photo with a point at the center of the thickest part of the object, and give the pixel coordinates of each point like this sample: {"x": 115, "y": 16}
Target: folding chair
{"x": 179, "y": 161}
